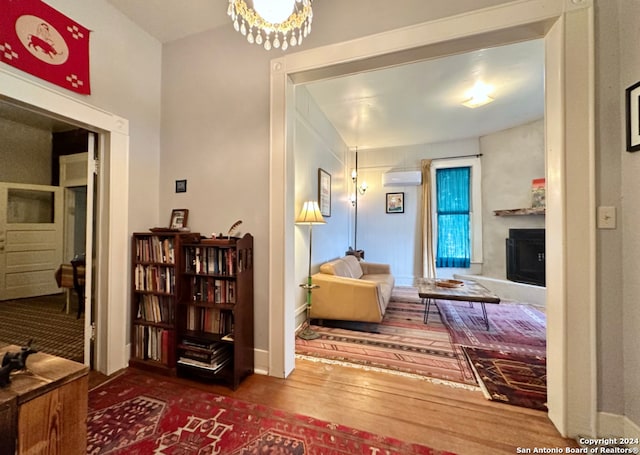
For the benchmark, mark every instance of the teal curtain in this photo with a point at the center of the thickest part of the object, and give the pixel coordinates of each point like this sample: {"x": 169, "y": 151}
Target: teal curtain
{"x": 453, "y": 197}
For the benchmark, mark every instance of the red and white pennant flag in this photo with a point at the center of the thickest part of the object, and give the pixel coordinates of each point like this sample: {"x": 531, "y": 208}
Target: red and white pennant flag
{"x": 39, "y": 40}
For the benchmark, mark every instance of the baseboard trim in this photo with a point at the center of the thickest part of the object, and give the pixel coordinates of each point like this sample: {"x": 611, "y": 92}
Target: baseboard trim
{"x": 616, "y": 426}
{"x": 261, "y": 362}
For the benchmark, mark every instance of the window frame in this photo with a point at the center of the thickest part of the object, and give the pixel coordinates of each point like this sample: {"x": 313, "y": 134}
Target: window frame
{"x": 475, "y": 209}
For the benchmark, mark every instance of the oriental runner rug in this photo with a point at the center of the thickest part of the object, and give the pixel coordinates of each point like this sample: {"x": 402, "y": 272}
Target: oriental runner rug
{"x": 139, "y": 414}
{"x": 513, "y": 327}
{"x": 513, "y": 378}
{"x": 400, "y": 344}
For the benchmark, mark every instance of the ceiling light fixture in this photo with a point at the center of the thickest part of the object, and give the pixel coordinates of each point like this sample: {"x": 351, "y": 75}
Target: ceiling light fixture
{"x": 272, "y": 23}
{"x": 478, "y": 95}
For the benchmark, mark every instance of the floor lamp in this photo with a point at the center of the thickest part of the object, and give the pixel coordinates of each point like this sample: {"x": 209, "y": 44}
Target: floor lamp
{"x": 309, "y": 215}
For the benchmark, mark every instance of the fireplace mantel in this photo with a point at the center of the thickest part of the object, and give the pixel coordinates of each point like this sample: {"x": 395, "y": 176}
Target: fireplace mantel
{"x": 520, "y": 212}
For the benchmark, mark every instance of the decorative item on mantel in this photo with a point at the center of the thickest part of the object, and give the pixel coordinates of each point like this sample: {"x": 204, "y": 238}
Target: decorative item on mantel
{"x": 538, "y": 193}
{"x": 537, "y": 202}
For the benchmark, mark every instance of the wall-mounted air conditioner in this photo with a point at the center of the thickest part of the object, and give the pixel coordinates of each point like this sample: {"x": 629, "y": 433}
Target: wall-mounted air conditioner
{"x": 402, "y": 178}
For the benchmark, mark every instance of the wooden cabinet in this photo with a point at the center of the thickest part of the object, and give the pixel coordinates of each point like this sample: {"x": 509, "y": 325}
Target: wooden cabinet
{"x": 44, "y": 409}
{"x": 215, "y": 310}
{"x": 155, "y": 286}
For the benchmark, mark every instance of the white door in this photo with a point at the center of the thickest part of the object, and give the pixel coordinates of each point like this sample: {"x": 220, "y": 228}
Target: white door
{"x": 30, "y": 239}
{"x": 73, "y": 177}
{"x": 90, "y": 250}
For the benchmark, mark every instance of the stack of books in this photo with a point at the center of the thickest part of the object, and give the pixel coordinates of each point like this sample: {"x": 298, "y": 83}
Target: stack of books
{"x": 211, "y": 357}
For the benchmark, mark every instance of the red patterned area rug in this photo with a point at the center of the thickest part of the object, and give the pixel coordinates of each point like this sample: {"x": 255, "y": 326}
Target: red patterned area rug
{"x": 135, "y": 414}
{"x": 512, "y": 327}
{"x": 401, "y": 343}
{"x": 513, "y": 378}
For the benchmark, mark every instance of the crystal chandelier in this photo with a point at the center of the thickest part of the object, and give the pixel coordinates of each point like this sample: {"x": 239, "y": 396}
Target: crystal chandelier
{"x": 272, "y": 23}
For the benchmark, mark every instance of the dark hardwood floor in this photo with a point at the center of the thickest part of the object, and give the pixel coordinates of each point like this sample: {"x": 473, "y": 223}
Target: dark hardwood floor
{"x": 435, "y": 415}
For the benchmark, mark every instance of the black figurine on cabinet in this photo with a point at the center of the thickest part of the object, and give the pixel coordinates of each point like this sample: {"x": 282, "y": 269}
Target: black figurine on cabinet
{"x": 14, "y": 361}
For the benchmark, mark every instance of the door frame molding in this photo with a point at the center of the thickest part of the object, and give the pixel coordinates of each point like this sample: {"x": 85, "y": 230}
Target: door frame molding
{"x": 567, "y": 28}
{"x": 111, "y": 282}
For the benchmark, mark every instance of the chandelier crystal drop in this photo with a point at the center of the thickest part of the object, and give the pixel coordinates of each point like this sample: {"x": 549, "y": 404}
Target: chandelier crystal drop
{"x": 272, "y": 24}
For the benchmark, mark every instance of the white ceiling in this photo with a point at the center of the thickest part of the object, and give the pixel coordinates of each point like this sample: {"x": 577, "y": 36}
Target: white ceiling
{"x": 410, "y": 104}
{"x": 404, "y": 105}
{"x": 420, "y": 103}
{"x": 169, "y": 20}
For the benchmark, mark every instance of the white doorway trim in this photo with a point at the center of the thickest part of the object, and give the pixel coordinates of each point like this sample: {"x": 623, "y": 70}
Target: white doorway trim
{"x": 567, "y": 26}
{"x": 111, "y": 282}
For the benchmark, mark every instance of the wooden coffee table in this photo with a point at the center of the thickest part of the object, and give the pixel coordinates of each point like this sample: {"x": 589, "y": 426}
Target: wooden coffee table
{"x": 469, "y": 291}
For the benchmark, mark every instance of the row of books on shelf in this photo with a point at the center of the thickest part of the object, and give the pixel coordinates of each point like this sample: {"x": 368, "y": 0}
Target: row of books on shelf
{"x": 153, "y": 343}
{"x": 154, "y": 308}
{"x": 210, "y": 320}
{"x": 209, "y": 356}
{"x": 155, "y": 249}
{"x": 213, "y": 260}
{"x": 208, "y": 289}
{"x": 155, "y": 278}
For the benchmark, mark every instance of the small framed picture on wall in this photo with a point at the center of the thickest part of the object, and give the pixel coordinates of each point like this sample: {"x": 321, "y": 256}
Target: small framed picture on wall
{"x": 324, "y": 192}
{"x": 395, "y": 202}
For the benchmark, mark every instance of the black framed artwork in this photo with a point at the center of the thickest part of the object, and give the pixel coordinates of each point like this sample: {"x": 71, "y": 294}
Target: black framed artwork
{"x": 181, "y": 186}
{"x": 633, "y": 117}
{"x": 395, "y": 203}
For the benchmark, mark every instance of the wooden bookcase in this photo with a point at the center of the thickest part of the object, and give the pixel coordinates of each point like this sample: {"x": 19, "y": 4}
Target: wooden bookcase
{"x": 157, "y": 260}
{"x": 215, "y": 310}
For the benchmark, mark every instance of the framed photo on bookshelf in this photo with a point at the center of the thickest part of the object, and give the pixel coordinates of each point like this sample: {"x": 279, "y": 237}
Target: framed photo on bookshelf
{"x": 395, "y": 202}
{"x": 178, "y": 218}
{"x": 324, "y": 192}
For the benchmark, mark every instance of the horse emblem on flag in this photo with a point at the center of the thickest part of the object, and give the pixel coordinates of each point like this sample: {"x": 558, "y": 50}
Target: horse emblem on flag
{"x": 42, "y": 39}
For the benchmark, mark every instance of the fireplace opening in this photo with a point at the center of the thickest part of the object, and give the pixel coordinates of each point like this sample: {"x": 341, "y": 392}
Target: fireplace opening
{"x": 525, "y": 256}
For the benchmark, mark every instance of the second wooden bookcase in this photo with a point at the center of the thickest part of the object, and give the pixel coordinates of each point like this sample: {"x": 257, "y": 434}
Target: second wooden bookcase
{"x": 215, "y": 310}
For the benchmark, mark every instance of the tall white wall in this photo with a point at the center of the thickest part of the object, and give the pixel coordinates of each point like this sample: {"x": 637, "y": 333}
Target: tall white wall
{"x": 511, "y": 159}
{"x": 629, "y": 326}
{"x": 609, "y": 152}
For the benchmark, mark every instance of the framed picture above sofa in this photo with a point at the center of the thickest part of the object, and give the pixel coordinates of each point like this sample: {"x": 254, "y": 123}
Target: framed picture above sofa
{"x": 395, "y": 202}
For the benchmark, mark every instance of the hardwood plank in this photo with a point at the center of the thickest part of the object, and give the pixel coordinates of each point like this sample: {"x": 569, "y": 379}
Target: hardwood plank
{"x": 439, "y": 416}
